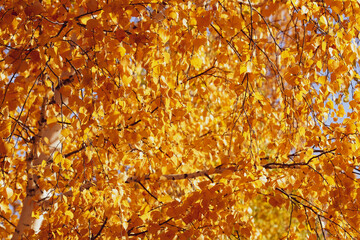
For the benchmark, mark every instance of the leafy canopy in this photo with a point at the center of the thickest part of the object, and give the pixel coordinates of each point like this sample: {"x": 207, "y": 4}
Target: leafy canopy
{"x": 180, "y": 119}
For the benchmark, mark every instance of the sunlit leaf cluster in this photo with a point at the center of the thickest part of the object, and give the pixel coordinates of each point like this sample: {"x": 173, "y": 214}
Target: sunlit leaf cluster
{"x": 126, "y": 119}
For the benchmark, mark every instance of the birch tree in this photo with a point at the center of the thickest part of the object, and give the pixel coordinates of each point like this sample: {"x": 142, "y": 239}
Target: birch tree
{"x": 179, "y": 119}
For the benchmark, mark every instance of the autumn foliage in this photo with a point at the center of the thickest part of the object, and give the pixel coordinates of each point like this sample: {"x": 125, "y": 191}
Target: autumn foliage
{"x": 126, "y": 119}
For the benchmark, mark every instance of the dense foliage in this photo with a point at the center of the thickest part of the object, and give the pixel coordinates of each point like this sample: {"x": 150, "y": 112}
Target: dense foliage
{"x": 179, "y": 119}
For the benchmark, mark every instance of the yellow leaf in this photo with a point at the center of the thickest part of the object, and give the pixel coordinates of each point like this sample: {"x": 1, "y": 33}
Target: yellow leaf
{"x": 58, "y": 158}
{"x": 330, "y": 180}
{"x": 122, "y": 51}
{"x": 67, "y": 163}
{"x": 322, "y": 80}
{"x": 192, "y": 22}
{"x": 165, "y": 199}
{"x": 330, "y": 104}
{"x": 51, "y": 120}
{"x": 173, "y": 15}
{"x": 243, "y": 68}
{"x": 323, "y": 21}
{"x": 126, "y": 80}
{"x": 65, "y": 132}
{"x": 323, "y": 46}
{"x": 319, "y": 64}
{"x": 341, "y": 111}
{"x": 249, "y": 67}
{"x": 166, "y": 57}
{"x": 9, "y": 192}
{"x": 70, "y": 214}
{"x": 196, "y": 62}
{"x": 357, "y": 95}
{"x": 285, "y": 54}
{"x": 85, "y": 19}
{"x": 258, "y": 96}
{"x": 309, "y": 152}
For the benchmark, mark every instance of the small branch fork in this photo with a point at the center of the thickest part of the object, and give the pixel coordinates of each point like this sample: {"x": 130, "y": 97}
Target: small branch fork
{"x": 299, "y": 201}
{"x": 130, "y": 233}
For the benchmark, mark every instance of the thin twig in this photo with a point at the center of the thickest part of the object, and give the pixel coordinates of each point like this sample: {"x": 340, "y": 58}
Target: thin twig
{"x": 101, "y": 228}
{"x": 8, "y": 221}
{"x": 146, "y": 190}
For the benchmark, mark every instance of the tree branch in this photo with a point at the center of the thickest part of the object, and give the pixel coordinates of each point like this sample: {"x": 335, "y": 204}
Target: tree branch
{"x": 219, "y": 169}
{"x": 101, "y": 228}
{"x": 83, "y": 146}
{"x": 205, "y": 173}
{"x": 7, "y": 220}
{"x": 147, "y": 190}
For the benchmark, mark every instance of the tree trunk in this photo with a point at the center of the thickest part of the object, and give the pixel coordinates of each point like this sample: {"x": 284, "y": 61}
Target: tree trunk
{"x": 27, "y": 221}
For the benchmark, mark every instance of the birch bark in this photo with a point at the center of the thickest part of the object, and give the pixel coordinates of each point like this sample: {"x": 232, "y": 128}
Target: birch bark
{"x": 49, "y": 138}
